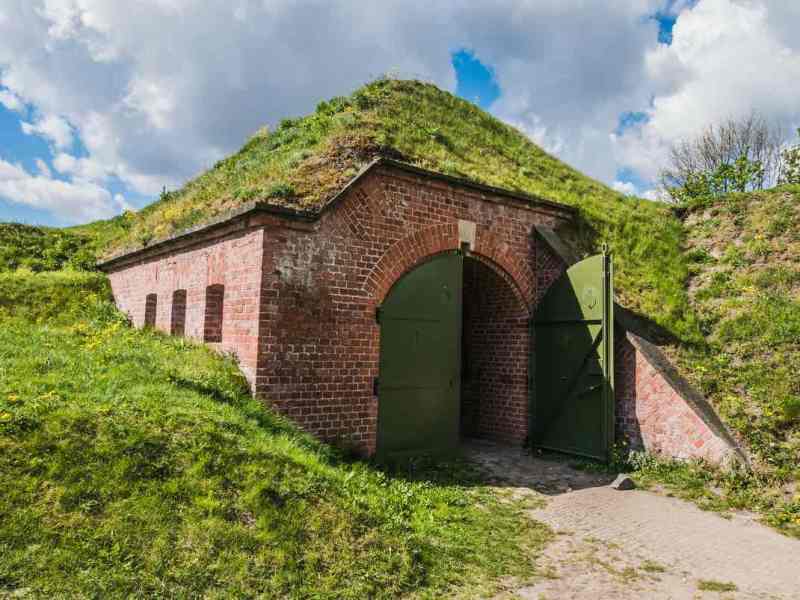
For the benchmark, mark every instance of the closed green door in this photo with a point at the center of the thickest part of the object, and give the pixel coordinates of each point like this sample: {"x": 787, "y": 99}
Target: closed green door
{"x": 573, "y": 402}
{"x": 419, "y": 378}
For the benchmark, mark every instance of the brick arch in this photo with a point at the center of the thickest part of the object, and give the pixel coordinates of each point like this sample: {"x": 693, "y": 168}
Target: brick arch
{"x": 417, "y": 247}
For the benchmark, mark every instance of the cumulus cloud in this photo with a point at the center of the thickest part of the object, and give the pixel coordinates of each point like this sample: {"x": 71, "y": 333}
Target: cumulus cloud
{"x": 51, "y": 127}
{"x": 624, "y": 187}
{"x": 44, "y": 170}
{"x": 11, "y": 101}
{"x": 727, "y": 59}
{"x": 70, "y": 201}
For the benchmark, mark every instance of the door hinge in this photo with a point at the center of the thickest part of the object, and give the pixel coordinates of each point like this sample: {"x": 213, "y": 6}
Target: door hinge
{"x": 375, "y": 387}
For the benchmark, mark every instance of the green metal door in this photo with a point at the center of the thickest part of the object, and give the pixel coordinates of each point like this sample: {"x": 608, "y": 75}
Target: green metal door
{"x": 573, "y": 401}
{"x": 419, "y": 377}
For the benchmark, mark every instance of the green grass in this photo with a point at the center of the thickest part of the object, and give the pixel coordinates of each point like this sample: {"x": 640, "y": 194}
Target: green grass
{"x": 721, "y": 277}
{"x": 134, "y": 464}
{"x": 43, "y": 248}
{"x": 747, "y": 288}
{"x": 709, "y": 585}
{"x": 651, "y": 566}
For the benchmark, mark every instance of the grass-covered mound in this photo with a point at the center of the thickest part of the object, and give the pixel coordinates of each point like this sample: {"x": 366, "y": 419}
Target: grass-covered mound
{"x": 744, "y": 253}
{"x": 134, "y": 464}
{"x": 307, "y": 160}
{"x": 745, "y": 285}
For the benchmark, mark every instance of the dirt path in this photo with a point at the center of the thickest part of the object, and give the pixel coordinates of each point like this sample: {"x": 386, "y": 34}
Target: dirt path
{"x": 635, "y": 544}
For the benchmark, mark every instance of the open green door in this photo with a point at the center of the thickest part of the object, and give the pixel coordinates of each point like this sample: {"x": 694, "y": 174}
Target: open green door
{"x": 420, "y": 362}
{"x": 573, "y": 396}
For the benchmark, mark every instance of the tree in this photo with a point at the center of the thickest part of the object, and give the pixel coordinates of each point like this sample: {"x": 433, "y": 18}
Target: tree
{"x": 790, "y": 164}
{"x": 736, "y": 155}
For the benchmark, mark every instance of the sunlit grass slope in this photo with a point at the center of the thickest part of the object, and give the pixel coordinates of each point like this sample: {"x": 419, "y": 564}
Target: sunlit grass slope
{"x": 744, "y": 256}
{"x": 744, "y": 252}
{"x": 134, "y": 464}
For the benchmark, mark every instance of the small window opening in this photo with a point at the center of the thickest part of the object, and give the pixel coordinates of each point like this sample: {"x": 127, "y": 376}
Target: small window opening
{"x": 178, "y": 322}
{"x": 215, "y": 299}
{"x": 150, "y": 304}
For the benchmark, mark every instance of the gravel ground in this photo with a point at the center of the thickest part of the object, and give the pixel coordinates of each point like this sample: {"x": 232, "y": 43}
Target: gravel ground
{"x": 613, "y": 544}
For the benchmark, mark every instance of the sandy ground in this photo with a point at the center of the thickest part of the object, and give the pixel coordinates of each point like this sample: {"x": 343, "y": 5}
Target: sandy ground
{"x": 612, "y": 544}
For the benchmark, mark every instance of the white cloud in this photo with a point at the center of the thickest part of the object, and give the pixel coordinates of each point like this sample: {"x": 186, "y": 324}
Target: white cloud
{"x": 121, "y": 203}
{"x": 160, "y": 93}
{"x": 83, "y": 169}
{"x": 624, "y": 187}
{"x": 11, "y": 101}
{"x": 727, "y": 59}
{"x": 70, "y": 201}
{"x": 51, "y": 127}
{"x": 152, "y": 99}
{"x": 44, "y": 170}
{"x": 654, "y": 194}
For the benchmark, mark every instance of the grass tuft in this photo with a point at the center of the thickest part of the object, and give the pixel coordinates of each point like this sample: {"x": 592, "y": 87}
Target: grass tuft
{"x": 709, "y": 585}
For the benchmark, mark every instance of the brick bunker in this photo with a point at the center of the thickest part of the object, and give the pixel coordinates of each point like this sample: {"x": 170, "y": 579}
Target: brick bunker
{"x": 293, "y": 295}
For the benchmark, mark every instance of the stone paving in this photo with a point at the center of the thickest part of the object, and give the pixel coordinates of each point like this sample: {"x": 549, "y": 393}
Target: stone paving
{"x": 639, "y": 544}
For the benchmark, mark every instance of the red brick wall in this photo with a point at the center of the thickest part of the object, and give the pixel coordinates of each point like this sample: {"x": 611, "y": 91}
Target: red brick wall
{"x": 319, "y": 346}
{"x": 233, "y": 261}
{"x": 495, "y": 352}
{"x": 549, "y": 267}
{"x": 652, "y": 415}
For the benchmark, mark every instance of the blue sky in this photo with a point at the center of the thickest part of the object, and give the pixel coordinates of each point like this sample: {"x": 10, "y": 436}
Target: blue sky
{"x": 474, "y": 81}
{"x": 119, "y": 104}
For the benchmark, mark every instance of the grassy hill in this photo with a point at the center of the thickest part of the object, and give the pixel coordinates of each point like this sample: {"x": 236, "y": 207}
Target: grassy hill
{"x": 135, "y": 464}
{"x": 745, "y": 285}
{"x": 744, "y": 256}
{"x": 307, "y": 160}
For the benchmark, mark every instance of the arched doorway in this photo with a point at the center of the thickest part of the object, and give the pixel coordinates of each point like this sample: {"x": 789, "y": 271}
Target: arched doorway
{"x": 453, "y": 358}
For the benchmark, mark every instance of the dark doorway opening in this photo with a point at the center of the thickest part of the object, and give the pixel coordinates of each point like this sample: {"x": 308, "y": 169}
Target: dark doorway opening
{"x": 494, "y": 356}
{"x": 178, "y": 319}
{"x": 453, "y": 358}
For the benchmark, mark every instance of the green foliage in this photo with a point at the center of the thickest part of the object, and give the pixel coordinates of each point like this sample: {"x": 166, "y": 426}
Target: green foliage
{"x": 791, "y": 164}
{"x": 43, "y": 249}
{"x": 55, "y": 297}
{"x": 280, "y": 190}
{"x": 136, "y": 464}
{"x": 701, "y": 187}
{"x": 749, "y": 299}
